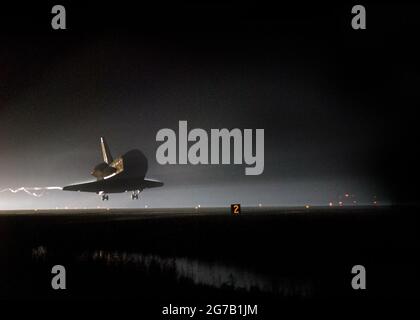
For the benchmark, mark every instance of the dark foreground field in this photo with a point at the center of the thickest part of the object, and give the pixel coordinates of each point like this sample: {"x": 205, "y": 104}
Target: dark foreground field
{"x": 209, "y": 256}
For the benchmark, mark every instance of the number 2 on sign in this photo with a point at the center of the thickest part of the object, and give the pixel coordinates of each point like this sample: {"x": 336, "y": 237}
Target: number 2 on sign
{"x": 235, "y": 209}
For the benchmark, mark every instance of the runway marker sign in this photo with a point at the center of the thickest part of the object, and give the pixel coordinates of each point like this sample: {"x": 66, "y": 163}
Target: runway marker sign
{"x": 235, "y": 209}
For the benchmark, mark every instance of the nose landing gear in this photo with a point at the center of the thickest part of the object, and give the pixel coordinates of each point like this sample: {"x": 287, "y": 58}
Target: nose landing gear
{"x": 105, "y": 197}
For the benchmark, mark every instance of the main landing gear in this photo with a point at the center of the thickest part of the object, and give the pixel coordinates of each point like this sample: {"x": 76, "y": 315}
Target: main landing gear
{"x": 135, "y": 194}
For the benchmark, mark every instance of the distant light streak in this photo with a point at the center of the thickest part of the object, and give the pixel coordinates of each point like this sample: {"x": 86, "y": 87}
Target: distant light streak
{"x": 30, "y": 190}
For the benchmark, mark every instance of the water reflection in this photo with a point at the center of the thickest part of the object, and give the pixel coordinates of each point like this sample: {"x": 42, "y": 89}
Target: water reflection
{"x": 213, "y": 274}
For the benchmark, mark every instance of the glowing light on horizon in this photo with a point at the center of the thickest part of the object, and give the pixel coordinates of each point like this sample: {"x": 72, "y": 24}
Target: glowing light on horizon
{"x": 30, "y": 190}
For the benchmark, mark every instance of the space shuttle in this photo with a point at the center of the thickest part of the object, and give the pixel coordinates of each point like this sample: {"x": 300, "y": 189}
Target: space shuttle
{"x": 125, "y": 173}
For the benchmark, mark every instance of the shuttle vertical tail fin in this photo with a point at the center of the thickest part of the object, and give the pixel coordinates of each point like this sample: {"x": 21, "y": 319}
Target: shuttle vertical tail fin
{"x": 106, "y": 154}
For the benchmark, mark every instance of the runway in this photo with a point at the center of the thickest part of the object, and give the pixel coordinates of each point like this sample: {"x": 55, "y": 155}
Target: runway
{"x": 155, "y": 254}
{"x": 192, "y": 211}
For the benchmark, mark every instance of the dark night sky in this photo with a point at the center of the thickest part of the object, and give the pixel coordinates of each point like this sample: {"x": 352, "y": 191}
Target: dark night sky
{"x": 337, "y": 105}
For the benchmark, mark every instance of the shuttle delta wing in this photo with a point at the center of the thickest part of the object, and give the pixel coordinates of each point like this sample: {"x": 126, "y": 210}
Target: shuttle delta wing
{"x": 151, "y": 183}
{"x": 114, "y": 185}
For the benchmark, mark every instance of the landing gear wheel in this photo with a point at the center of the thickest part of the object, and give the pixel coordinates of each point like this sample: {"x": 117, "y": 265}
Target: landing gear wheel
{"x": 105, "y": 197}
{"x": 135, "y": 195}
